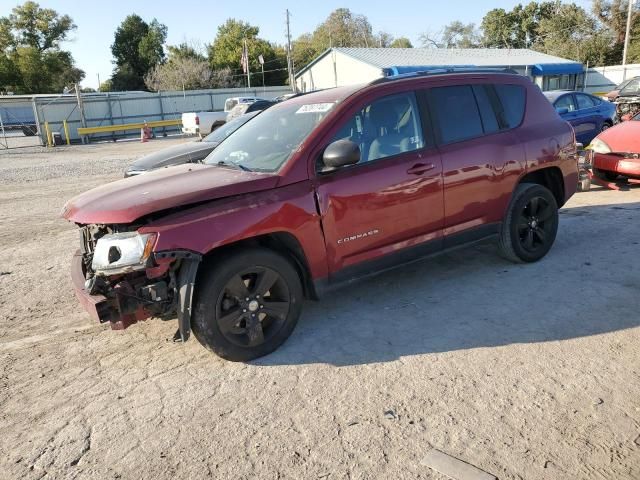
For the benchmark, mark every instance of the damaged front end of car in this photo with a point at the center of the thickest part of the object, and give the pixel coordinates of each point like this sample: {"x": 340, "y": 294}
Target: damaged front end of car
{"x": 120, "y": 279}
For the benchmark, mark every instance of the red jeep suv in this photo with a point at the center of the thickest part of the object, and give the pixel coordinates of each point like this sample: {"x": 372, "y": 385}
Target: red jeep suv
{"x": 319, "y": 190}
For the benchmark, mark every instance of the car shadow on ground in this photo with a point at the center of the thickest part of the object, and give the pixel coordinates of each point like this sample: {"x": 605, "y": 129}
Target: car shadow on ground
{"x": 471, "y": 298}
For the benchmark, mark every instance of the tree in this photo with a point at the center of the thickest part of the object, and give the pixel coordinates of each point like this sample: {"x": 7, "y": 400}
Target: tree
{"x": 613, "y": 15}
{"x": 226, "y": 51}
{"x": 105, "y": 86}
{"x": 454, "y": 35}
{"x": 303, "y": 50}
{"x": 137, "y": 48}
{"x": 401, "y": 42}
{"x": 383, "y": 39}
{"x": 460, "y": 35}
{"x": 185, "y": 50}
{"x": 570, "y": 32}
{"x": 31, "y": 60}
{"x": 186, "y": 69}
{"x": 342, "y": 28}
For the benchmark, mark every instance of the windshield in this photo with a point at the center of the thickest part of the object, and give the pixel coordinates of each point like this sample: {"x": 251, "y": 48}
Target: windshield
{"x": 266, "y": 143}
{"x": 637, "y": 117}
{"x": 623, "y": 84}
{"x": 220, "y": 133}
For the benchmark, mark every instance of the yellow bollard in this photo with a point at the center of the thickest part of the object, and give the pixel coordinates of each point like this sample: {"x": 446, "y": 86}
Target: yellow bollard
{"x": 66, "y": 131}
{"x": 48, "y": 132}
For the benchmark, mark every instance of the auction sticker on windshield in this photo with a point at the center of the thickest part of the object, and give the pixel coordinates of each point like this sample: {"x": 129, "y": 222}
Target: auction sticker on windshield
{"x": 315, "y": 108}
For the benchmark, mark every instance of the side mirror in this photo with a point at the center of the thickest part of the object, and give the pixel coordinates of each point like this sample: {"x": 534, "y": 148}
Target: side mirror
{"x": 562, "y": 110}
{"x": 341, "y": 153}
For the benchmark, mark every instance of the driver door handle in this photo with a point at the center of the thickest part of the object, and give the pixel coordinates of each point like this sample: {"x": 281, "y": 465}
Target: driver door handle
{"x": 421, "y": 168}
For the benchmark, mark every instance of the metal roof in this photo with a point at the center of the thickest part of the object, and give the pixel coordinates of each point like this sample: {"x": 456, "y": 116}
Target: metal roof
{"x": 479, "y": 57}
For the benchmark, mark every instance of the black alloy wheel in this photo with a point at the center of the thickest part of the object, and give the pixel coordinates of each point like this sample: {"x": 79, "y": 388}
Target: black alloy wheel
{"x": 253, "y": 306}
{"x": 534, "y": 225}
{"x": 530, "y": 225}
{"x": 247, "y": 302}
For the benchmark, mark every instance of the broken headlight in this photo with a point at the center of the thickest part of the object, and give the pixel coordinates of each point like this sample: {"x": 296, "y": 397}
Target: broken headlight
{"x": 122, "y": 252}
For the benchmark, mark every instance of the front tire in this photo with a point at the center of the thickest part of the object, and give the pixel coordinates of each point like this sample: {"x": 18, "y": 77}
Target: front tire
{"x": 531, "y": 224}
{"x": 247, "y": 304}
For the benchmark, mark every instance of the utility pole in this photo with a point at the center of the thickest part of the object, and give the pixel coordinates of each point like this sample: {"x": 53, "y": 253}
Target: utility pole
{"x": 80, "y": 109}
{"x": 292, "y": 80}
{"x": 627, "y": 34}
{"x": 246, "y": 50}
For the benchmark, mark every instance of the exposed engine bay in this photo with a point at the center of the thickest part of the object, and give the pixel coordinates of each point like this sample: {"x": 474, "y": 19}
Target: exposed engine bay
{"x": 627, "y": 107}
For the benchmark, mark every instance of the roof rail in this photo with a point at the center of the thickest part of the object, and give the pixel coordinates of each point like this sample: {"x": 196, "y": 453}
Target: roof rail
{"x": 393, "y": 73}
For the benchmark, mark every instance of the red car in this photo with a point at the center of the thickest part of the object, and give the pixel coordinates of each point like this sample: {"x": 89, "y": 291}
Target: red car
{"x": 319, "y": 190}
{"x": 616, "y": 151}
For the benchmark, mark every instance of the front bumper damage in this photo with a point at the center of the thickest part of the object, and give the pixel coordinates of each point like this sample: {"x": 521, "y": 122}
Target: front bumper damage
{"x": 621, "y": 163}
{"x": 165, "y": 291}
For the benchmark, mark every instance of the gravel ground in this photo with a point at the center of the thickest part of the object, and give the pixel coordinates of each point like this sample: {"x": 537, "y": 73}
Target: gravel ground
{"x": 526, "y": 371}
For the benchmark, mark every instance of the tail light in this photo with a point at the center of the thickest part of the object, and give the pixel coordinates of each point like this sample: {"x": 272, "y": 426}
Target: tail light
{"x": 197, "y": 120}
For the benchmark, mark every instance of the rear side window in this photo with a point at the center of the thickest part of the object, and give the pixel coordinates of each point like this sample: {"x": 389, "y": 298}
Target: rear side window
{"x": 457, "y": 113}
{"x": 488, "y": 116}
{"x": 512, "y": 98}
{"x": 565, "y": 102}
{"x": 583, "y": 101}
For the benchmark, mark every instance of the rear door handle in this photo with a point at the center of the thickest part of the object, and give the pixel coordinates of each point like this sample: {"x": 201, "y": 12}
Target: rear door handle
{"x": 421, "y": 168}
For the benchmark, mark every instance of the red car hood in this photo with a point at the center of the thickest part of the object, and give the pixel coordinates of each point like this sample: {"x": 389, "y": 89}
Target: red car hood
{"x": 624, "y": 137}
{"x": 128, "y": 199}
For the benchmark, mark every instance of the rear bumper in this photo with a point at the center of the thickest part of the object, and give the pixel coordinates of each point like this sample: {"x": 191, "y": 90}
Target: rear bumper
{"x": 118, "y": 311}
{"x": 615, "y": 163}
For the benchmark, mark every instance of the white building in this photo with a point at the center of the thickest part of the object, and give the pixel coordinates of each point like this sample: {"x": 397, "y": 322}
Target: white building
{"x": 346, "y": 66}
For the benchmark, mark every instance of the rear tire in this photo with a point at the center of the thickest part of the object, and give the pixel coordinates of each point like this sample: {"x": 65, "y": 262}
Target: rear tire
{"x": 247, "y": 304}
{"x": 530, "y": 225}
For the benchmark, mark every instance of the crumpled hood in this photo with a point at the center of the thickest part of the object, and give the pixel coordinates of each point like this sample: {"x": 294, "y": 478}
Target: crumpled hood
{"x": 126, "y": 200}
{"x": 623, "y": 138}
{"x": 183, "y": 153}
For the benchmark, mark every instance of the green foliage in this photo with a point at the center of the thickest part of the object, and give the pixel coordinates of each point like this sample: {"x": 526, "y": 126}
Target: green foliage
{"x": 613, "y": 15}
{"x": 563, "y": 29}
{"x": 105, "y": 86}
{"x": 570, "y": 32}
{"x": 226, "y": 51}
{"x": 137, "y": 48}
{"x": 518, "y": 28}
{"x": 184, "y": 50}
{"x": 342, "y": 28}
{"x": 40, "y": 28}
{"x": 459, "y": 35}
{"x": 31, "y": 60}
{"x": 401, "y": 42}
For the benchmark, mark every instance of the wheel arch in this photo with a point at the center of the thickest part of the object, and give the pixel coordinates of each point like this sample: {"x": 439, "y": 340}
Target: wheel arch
{"x": 550, "y": 177}
{"x": 284, "y": 243}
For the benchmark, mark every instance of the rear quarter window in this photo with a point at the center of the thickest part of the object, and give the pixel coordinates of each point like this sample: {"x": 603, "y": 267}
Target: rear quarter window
{"x": 512, "y": 98}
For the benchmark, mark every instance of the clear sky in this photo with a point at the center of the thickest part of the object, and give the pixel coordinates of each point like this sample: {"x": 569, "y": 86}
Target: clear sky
{"x": 198, "y": 20}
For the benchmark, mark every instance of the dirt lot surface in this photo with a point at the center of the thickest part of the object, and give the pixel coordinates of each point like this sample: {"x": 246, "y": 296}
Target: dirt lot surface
{"x": 526, "y": 371}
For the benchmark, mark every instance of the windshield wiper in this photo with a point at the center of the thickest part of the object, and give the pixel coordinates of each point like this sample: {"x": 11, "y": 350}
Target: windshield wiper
{"x": 236, "y": 165}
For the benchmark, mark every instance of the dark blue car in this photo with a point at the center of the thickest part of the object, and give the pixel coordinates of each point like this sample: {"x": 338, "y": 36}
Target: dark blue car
{"x": 587, "y": 114}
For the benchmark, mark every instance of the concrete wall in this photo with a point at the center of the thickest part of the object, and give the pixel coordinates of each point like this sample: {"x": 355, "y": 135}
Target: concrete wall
{"x": 604, "y": 79}
{"x": 335, "y": 70}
